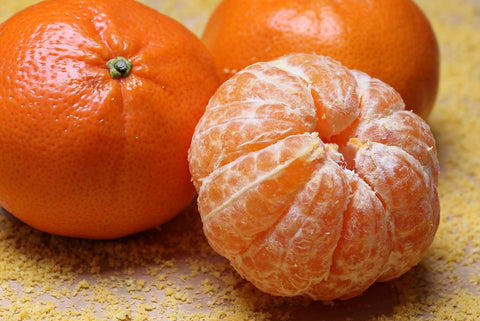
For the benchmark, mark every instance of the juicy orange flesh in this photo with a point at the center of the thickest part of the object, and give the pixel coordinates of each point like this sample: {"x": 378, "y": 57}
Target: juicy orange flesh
{"x": 313, "y": 179}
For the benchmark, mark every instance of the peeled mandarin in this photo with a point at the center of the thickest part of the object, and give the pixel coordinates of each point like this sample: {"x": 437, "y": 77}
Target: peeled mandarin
{"x": 313, "y": 179}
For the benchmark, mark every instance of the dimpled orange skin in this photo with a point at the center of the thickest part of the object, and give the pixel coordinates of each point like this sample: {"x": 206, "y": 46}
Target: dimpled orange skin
{"x": 84, "y": 154}
{"x": 391, "y": 40}
{"x": 313, "y": 179}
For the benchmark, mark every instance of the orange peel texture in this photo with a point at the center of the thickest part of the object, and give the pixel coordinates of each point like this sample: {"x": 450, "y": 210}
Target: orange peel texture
{"x": 313, "y": 179}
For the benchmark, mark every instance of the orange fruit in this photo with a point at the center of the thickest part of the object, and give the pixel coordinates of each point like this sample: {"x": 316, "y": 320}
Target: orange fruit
{"x": 91, "y": 146}
{"x": 391, "y": 40}
{"x": 313, "y": 179}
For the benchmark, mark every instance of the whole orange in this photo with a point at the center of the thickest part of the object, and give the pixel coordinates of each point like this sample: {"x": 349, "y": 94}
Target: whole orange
{"x": 98, "y": 101}
{"x": 389, "y": 39}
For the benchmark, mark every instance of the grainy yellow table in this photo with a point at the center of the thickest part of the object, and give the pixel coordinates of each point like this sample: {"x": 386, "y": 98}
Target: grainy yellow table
{"x": 172, "y": 274}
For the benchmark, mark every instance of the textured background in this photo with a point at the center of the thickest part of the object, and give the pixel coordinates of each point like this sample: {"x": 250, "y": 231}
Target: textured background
{"x": 171, "y": 273}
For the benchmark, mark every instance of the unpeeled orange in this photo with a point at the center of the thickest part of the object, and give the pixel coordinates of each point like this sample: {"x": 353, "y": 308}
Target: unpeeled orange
{"x": 313, "y": 179}
{"x": 391, "y": 40}
{"x": 98, "y": 102}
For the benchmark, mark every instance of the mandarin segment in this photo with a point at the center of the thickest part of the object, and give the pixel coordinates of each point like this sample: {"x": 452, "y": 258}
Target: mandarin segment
{"x": 408, "y": 193}
{"x": 364, "y": 245}
{"x": 352, "y": 201}
{"x": 407, "y": 131}
{"x": 333, "y": 88}
{"x": 247, "y": 196}
{"x": 298, "y": 251}
{"x": 377, "y": 97}
{"x": 245, "y": 117}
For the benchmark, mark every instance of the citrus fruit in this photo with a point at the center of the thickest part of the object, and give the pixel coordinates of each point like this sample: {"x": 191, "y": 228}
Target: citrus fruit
{"x": 98, "y": 100}
{"x": 391, "y": 40}
{"x": 313, "y": 179}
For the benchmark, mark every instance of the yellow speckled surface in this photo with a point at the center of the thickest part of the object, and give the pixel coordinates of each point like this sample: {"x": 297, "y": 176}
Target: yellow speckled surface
{"x": 172, "y": 274}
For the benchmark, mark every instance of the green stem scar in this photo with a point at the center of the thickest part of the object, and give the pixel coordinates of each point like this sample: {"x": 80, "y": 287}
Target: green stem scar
{"x": 119, "y": 67}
